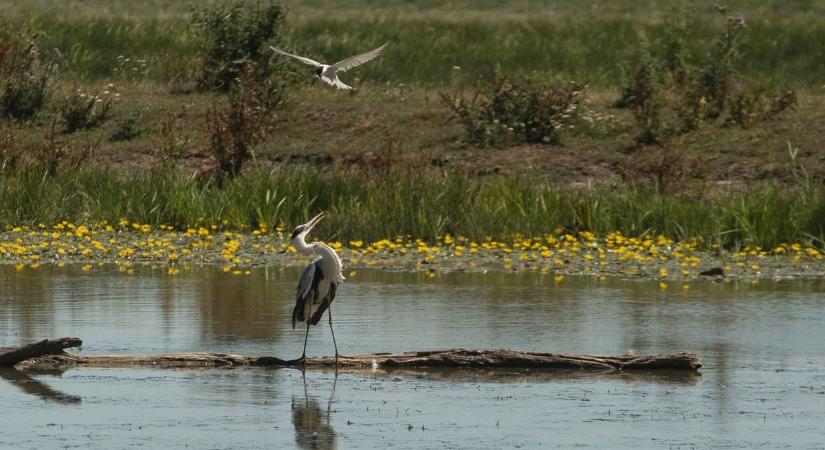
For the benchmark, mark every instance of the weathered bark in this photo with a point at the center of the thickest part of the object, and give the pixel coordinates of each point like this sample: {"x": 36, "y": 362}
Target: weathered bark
{"x": 12, "y": 356}
{"x": 452, "y": 358}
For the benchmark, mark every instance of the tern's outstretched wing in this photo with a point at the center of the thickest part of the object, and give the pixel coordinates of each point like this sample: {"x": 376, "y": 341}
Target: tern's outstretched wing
{"x": 340, "y": 84}
{"x": 355, "y": 61}
{"x": 304, "y": 60}
{"x": 334, "y": 82}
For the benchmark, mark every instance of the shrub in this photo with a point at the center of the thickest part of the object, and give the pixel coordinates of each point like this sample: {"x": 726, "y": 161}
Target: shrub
{"x": 83, "y": 110}
{"x": 713, "y": 92}
{"x": 126, "y": 129}
{"x": 174, "y": 139}
{"x": 233, "y": 130}
{"x": 26, "y": 76}
{"x": 716, "y": 80}
{"x": 503, "y": 111}
{"x": 232, "y": 36}
{"x": 643, "y": 96}
{"x": 9, "y": 148}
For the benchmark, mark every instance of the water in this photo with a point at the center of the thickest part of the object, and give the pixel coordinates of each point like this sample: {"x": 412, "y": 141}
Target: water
{"x": 763, "y": 384}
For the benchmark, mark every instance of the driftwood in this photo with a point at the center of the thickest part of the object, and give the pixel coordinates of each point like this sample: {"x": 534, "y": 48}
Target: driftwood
{"x": 51, "y": 354}
{"x": 13, "y": 356}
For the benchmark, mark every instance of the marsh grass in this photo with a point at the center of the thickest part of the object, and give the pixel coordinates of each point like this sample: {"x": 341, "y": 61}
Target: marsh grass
{"x": 375, "y": 207}
{"x": 597, "y": 50}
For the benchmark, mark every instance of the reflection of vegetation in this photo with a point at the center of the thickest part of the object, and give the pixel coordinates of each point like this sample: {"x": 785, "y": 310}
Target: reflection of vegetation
{"x": 235, "y": 308}
{"x": 27, "y": 303}
{"x": 312, "y": 427}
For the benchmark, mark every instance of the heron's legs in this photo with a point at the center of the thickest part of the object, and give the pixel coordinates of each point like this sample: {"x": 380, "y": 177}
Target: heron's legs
{"x": 306, "y": 337}
{"x": 333, "y": 333}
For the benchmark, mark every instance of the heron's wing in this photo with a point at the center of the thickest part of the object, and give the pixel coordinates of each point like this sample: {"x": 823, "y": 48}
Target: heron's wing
{"x": 304, "y": 294}
{"x": 305, "y": 284}
{"x": 304, "y": 60}
{"x": 357, "y": 60}
{"x": 316, "y": 316}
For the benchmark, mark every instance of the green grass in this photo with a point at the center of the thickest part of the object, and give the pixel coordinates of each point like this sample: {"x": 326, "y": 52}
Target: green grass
{"x": 371, "y": 207}
{"x": 596, "y": 45}
{"x": 543, "y": 39}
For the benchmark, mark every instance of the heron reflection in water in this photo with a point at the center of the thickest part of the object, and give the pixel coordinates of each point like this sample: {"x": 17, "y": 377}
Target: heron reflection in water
{"x": 312, "y": 427}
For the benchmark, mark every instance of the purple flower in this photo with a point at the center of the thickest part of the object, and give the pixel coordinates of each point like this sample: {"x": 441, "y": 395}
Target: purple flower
{"x": 740, "y": 20}
{"x": 56, "y": 51}
{"x": 32, "y": 77}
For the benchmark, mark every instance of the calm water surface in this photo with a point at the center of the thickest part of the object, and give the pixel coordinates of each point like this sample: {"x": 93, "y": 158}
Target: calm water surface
{"x": 763, "y": 384}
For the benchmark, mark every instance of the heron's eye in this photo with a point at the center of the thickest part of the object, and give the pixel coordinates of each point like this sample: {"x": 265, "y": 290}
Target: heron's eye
{"x": 296, "y": 232}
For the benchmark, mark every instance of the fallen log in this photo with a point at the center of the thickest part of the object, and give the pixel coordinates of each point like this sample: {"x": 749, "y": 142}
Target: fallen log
{"x": 13, "y": 356}
{"x": 51, "y": 355}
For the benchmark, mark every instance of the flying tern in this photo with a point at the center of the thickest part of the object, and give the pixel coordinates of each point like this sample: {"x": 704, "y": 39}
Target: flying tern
{"x": 328, "y": 73}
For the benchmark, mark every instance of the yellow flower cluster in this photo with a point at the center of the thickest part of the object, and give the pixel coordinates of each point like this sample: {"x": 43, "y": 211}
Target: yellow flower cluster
{"x": 125, "y": 243}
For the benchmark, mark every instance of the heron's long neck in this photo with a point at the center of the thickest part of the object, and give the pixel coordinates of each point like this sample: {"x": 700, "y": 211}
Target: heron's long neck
{"x": 301, "y": 245}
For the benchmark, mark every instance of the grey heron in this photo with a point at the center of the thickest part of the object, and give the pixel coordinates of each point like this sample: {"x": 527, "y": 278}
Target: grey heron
{"x": 328, "y": 73}
{"x": 319, "y": 282}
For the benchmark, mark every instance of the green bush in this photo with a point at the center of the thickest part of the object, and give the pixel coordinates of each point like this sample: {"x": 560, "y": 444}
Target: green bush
{"x": 665, "y": 86}
{"x": 83, "y": 110}
{"x": 26, "y": 76}
{"x": 504, "y": 111}
{"x": 232, "y": 36}
{"x": 233, "y": 130}
{"x": 126, "y": 129}
{"x": 643, "y": 97}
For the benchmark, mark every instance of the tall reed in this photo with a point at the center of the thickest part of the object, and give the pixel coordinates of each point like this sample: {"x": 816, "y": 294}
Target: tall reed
{"x": 374, "y": 207}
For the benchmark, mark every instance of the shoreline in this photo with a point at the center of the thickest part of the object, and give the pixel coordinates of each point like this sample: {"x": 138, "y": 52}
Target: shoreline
{"x": 649, "y": 258}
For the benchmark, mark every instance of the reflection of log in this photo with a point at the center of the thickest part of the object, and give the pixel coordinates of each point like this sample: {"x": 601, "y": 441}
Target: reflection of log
{"x": 36, "y": 387}
{"x": 12, "y": 356}
{"x": 504, "y": 375}
{"x": 453, "y": 358}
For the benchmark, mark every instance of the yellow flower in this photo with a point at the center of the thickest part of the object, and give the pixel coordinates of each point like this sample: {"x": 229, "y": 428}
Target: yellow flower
{"x": 81, "y": 231}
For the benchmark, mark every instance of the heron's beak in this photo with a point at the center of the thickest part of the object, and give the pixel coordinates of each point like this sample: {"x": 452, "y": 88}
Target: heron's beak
{"x": 314, "y": 221}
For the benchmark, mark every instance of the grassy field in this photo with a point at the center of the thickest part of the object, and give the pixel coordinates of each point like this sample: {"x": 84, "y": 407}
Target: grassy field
{"x": 554, "y": 39}
{"x": 386, "y": 160}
